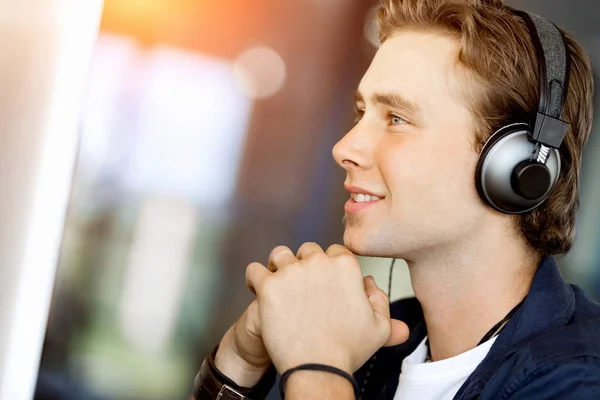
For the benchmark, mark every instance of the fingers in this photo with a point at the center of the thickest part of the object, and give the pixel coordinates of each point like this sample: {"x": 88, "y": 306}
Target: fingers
{"x": 308, "y": 249}
{"x": 252, "y": 319}
{"x": 280, "y": 256}
{"x": 256, "y": 274}
{"x": 338, "y": 250}
{"x": 378, "y": 299}
{"x": 249, "y": 322}
{"x": 399, "y": 333}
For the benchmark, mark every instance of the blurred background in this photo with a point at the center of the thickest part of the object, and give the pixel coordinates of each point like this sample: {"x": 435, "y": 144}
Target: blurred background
{"x": 206, "y": 138}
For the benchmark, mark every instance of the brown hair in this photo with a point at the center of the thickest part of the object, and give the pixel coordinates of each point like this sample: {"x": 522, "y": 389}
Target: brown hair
{"x": 497, "y": 52}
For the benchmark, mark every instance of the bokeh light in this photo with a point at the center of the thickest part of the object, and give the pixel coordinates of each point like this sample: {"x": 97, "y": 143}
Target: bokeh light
{"x": 370, "y": 27}
{"x": 260, "y": 72}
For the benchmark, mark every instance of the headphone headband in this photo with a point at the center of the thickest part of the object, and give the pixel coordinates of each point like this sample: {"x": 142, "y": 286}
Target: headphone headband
{"x": 548, "y": 128}
{"x": 520, "y": 164}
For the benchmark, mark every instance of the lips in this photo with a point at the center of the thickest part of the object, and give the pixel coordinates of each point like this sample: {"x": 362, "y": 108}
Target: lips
{"x": 361, "y": 199}
{"x": 355, "y": 190}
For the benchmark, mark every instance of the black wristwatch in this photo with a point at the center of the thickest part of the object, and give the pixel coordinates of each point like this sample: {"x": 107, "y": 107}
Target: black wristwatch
{"x": 211, "y": 384}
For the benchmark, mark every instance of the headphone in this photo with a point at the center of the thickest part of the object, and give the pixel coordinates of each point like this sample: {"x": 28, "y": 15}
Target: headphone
{"x": 520, "y": 163}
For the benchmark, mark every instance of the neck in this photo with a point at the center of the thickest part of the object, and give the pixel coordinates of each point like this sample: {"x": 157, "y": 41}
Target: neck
{"x": 464, "y": 292}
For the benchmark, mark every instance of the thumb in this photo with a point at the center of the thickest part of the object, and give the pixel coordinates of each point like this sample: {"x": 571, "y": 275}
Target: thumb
{"x": 381, "y": 307}
{"x": 399, "y": 335}
{"x": 378, "y": 299}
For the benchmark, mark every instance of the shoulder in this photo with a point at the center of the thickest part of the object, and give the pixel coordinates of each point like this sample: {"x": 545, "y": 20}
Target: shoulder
{"x": 585, "y": 307}
{"x": 560, "y": 363}
{"x": 576, "y": 343}
{"x": 575, "y": 376}
{"x": 577, "y": 338}
{"x": 564, "y": 363}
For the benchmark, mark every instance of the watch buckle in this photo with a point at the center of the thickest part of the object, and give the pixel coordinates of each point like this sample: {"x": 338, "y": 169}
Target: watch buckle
{"x": 225, "y": 389}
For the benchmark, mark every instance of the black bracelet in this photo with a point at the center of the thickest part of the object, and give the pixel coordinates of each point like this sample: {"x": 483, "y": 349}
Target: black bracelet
{"x": 316, "y": 367}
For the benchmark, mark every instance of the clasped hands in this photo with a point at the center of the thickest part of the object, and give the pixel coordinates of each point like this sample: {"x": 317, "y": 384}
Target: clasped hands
{"x": 312, "y": 307}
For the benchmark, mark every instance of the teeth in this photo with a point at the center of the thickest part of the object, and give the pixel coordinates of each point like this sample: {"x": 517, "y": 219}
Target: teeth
{"x": 362, "y": 197}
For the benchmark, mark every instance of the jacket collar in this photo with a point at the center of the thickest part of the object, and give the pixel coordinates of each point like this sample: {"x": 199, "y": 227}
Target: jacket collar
{"x": 548, "y": 306}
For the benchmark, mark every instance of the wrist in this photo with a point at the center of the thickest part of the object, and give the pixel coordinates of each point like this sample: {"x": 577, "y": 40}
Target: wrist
{"x": 210, "y": 383}
{"x": 308, "y": 384}
{"x": 335, "y": 362}
{"x": 232, "y": 365}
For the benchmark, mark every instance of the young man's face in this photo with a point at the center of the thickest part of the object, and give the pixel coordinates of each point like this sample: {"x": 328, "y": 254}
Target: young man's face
{"x": 413, "y": 147}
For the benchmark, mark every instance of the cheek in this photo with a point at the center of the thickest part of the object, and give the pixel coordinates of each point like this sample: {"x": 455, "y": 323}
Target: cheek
{"x": 434, "y": 174}
{"x": 454, "y": 164}
{"x": 406, "y": 170}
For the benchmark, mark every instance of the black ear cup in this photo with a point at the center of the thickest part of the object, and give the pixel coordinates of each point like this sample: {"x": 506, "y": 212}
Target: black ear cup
{"x": 506, "y": 176}
{"x": 531, "y": 180}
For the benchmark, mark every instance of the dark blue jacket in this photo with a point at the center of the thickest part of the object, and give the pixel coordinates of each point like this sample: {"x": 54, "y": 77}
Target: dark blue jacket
{"x": 550, "y": 349}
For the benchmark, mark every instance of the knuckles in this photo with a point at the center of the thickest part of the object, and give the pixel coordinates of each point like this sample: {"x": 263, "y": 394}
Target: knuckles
{"x": 319, "y": 258}
{"x": 336, "y": 248}
{"x": 342, "y": 254}
{"x": 277, "y": 253}
{"x": 250, "y": 269}
{"x": 252, "y": 282}
{"x": 348, "y": 261}
{"x": 310, "y": 251}
{"x": 291, "y": 269}
{"x": 308, "y": 246}
{"x": 347, "y": 258}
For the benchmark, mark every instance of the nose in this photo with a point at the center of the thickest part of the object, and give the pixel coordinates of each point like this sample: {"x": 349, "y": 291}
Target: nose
{"x": 353, "y": 150}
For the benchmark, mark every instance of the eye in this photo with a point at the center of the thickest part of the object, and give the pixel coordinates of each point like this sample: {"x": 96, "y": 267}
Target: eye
{"x": 397, "y": 120}
{"x": 358, "y": 114}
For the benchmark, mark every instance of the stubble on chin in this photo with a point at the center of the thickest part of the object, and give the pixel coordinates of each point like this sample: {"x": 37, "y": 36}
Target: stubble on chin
{"x": 350, "y": 221}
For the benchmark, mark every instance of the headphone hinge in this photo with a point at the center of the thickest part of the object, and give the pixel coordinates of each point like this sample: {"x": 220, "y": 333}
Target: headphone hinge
{"x": 549, "y": 131}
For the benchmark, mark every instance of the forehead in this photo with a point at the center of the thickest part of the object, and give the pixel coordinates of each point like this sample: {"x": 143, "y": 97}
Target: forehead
{"x": 419, "y": 66}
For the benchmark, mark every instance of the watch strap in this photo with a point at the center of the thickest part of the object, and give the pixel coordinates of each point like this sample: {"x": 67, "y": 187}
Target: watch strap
{"x": 211, "y": 384}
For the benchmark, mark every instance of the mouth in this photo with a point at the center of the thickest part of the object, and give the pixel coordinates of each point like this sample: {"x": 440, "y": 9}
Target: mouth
{"x": 361, "y": 201}
{"x": 363, "y": 197}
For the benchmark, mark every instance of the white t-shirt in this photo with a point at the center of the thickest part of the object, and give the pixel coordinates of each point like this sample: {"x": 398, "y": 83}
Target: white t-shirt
{"x": 438, "y": 380}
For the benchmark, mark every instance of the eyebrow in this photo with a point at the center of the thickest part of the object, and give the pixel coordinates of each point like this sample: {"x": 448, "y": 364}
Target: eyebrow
{"x": 394, "y": 100}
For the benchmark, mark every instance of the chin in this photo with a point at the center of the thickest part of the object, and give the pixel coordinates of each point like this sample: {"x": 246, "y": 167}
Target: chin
{"x": 358, "y": 243}
{"x": 371, "y": 243}
{"x": 351, "y": 242}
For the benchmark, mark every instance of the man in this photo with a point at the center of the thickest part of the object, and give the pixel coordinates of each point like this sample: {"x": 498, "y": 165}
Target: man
{"x": 492, "y": 318}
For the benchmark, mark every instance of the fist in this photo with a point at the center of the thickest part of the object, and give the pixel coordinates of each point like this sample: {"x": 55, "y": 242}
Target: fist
{"x": 315, "y": 307}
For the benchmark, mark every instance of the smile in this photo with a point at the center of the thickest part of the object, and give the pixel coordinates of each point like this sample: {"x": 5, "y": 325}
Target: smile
{"x": 363, "y": 197}
{"x": 359, "y": 202}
